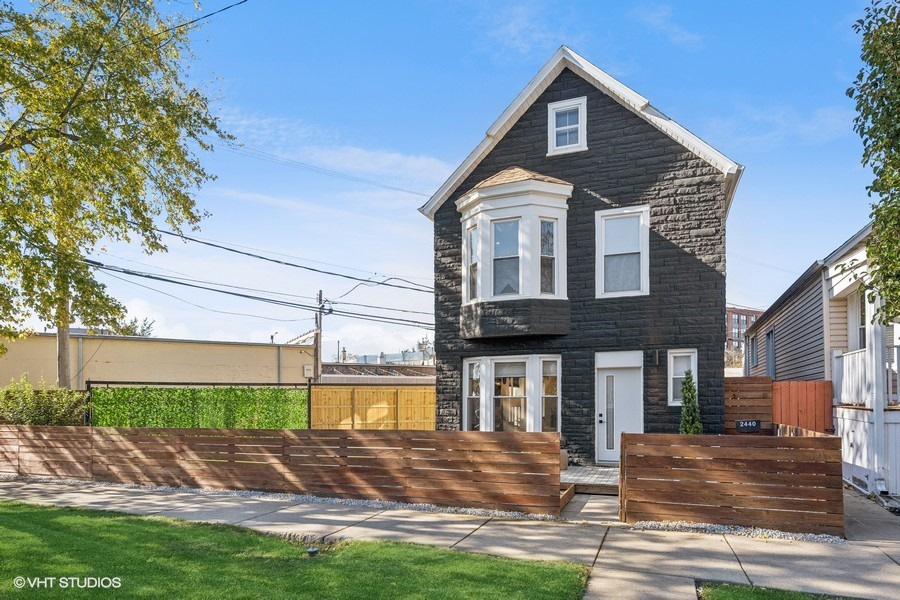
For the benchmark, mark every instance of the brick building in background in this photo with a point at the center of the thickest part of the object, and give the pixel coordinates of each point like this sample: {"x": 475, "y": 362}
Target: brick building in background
{"x": 737, "y": 320}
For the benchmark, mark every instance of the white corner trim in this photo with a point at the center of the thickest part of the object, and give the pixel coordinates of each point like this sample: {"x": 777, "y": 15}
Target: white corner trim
{"x": 562, "y": 58}
{"x": 622, "y": 359}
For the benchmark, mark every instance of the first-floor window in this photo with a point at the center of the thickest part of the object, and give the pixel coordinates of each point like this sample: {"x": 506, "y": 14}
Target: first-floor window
{"x": 511, "y": 393}
{"x": 680, "y": 362}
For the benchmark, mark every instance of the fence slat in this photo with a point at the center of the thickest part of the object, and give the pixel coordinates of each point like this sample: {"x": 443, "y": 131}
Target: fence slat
{"x": 788, "y": 483}
{"x": 496, "y": 470}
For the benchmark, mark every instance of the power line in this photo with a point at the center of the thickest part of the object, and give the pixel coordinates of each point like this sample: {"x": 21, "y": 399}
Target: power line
{"x": 123, "y": 46}
{"x": 421, "y": 288}
{"x": 222, "y": 312}
{"x": 282, "y": 160}
{"x": 275, "y": 301}
{"x": 402, "y": 310}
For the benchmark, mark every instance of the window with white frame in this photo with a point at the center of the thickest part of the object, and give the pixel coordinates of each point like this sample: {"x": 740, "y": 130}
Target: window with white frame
{"x": 566, "y": 126}
{"x": 623, "y": 248}
{"x": 680, "y": 362}
{"x": 514, "y": 241}
{"x": 754, "y": 356}
{"x": 472, "y": 263}
{"x": 506, "y": 257}
{"x": 548, "y": 257}
{"x": 511, "y": 393}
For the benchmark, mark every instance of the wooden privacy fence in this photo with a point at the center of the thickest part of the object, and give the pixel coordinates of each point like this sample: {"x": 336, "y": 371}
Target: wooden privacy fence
{"x": 372, "y": 407}
{"x": 500, "y": 471}
{"x": 785, "y": 483}
{"x": 748, "y": 398}
{"x": 804, "y": 404}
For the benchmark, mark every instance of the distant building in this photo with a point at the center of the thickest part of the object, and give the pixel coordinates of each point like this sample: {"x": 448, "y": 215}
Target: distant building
{"x": 737, "y": 320}
{"x": 422, "y": 354}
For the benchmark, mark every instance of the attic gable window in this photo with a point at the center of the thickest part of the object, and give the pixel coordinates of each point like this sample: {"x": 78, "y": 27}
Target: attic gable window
{"x": 566, "y": 126}
{"x": 514, "y": 237}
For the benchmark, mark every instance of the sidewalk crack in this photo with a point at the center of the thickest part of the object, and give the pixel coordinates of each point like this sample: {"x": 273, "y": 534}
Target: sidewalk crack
{"x": 471, "y": 532}
{"x": 888, "y": 555}
{"x": 738, "y": 559}
{"x": 597, "y": 555}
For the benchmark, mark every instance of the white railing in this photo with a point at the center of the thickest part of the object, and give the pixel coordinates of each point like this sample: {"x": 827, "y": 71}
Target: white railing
{"x": 856, "y": 382}
{"x": 892, "y": 382}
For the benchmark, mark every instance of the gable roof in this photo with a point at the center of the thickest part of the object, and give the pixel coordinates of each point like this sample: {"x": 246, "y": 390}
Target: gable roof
{"x": 566, "y": 58}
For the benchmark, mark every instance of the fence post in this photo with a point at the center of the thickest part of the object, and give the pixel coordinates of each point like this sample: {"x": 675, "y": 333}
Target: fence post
{"x": 309, "y": 419}
{"x": 623, "y": 517}
{"x": 88, "y": 417}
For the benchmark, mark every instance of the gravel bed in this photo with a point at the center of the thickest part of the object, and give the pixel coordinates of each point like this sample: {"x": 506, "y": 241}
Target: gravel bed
{"x": 300, "y": 498}
{"x": 753, "y": 532}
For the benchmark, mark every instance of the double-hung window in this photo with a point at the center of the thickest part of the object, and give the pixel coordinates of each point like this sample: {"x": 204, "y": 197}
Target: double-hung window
{"x": 680, "y": 362}
{"x": 566, "y": 126}
{"x": 472, "y": 263}
{"x": 511, "y": 393}
{"x": 506, "y": 257}
{"x": 623, "y": 247}
{"x": 548, "y": 257}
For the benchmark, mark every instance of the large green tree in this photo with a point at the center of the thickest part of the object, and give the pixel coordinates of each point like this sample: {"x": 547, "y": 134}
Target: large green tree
{"x": 877, "y": 95}
{"x": 100, "y": 132}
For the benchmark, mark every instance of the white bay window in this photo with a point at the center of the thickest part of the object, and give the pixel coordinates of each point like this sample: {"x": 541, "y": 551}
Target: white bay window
{"x": 514, "y": 241}
{"x": 511, "y": 393}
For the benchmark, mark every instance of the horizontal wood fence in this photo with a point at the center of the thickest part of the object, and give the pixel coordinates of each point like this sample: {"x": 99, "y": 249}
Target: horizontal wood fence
{"x": 784, "y": 483}
{"x": 804, "y": 404}
{"x": 748, "y": 398}
{"x": 499, "y": 471}
{"x": 372, "y": 407}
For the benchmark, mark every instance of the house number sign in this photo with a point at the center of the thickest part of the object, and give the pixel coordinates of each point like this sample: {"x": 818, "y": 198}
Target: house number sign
{"x": 747, "y": 425}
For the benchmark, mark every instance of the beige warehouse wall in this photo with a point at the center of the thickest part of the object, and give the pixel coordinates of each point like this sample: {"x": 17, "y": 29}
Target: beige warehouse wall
{"x": 112, "y": 358}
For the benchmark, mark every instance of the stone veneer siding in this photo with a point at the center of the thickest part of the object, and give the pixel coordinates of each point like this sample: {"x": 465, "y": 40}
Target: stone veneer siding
{"x": 628, "y": 162}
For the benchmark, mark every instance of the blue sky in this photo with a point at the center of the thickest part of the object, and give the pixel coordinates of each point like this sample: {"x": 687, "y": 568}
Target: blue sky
{"x": 400, "y": 93}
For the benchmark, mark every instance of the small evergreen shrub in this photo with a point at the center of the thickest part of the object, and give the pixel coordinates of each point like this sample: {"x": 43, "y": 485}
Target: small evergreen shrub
{"x": 22, "y": 404}
{"x": 690, "y": 407}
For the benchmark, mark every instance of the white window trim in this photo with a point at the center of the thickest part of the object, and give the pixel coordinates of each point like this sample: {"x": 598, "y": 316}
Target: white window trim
{"x": 555, "y": 107}
{"x": 530, "y": 202}
{"x": 692, "y": 353}
{"x": 533, "y": 391}
{"x": 601, "y": 215}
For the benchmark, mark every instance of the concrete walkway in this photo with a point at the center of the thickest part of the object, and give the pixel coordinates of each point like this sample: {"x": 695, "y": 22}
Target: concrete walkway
{"x": 625, "y": 563}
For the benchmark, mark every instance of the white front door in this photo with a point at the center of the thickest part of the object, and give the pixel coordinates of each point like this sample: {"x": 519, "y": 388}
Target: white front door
{"x": 619, "y": 408}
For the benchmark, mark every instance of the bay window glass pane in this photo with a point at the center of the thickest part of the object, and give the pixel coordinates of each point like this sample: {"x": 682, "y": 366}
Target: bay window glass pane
{"x": 548, "y": 243}
{"x": 622, "y": 272}
{"x": 473, "y": 281}
{"x": 548, "y": 275}
{"x": 509, "y": 397}
{"x": 506, "y": 239}
{"x": 473, "y": 396}
{"x": 622, "y": 235}
{"x": 506, "y": 276}
{"x": 549, "y": 395}
{"x": 473, "y": 264}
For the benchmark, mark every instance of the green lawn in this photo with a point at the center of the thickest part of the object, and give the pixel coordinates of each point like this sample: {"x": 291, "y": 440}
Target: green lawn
{"x": 730, "y": 591}
{"x": 164, "y": 558}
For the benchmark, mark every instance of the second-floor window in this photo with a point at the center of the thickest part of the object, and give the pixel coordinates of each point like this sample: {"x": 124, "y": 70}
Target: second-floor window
{"x": 623, "y": 248}
{"x": 472, "y": 253}
{"x": 506, "y": 257}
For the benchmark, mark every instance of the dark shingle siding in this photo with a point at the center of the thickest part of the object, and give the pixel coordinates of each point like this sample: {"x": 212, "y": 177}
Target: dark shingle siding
{"x": 629, "y": 162}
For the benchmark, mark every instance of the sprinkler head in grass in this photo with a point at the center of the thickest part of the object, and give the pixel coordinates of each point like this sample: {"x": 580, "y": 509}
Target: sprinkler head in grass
{"x": 312, "y": 552}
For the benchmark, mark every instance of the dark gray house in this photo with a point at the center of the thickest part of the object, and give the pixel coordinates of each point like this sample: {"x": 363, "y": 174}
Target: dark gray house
{"x": 580, "y": 267}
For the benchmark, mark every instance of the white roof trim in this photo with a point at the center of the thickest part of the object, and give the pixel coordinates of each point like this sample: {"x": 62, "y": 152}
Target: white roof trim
{"x": 564, "y": 57}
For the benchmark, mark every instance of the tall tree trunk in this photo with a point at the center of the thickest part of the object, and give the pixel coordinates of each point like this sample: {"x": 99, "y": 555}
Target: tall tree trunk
{"x": 63, "y": 319}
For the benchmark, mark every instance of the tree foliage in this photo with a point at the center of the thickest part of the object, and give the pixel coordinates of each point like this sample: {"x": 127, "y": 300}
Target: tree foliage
{"x": 136, "y": 328}
{"x": 876, "y": 91}
{"x": 99, "y": 136}
{"x": 690, "y": 407}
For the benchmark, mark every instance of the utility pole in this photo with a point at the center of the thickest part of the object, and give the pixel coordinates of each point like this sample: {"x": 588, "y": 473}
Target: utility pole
{"x": 318, "y": 337}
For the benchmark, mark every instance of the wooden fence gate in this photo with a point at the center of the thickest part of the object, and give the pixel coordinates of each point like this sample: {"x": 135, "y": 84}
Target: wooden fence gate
{"x": 372, "y": 407}
{"x": 804, "y": 404}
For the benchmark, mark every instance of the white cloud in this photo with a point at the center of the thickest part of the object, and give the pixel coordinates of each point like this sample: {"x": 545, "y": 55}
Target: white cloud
{"x": 659, "y": 18}
{"x": 762, "y": 129}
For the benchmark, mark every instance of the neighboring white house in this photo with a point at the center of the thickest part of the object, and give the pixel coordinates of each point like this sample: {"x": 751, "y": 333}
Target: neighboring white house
{"x": 822, "y": 328}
